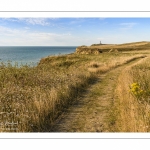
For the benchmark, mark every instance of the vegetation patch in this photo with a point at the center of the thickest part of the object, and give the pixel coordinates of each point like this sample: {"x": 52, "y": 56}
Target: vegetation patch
{"x": 132, "y": 103}
{"x": 31, "y": 98}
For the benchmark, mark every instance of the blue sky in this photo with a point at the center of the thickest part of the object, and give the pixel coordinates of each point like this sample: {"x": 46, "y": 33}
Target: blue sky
{"x": 72, "y": 31}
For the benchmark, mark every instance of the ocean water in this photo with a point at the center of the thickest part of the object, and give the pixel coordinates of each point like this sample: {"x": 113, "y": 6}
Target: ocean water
{"x": 31, "y": 55}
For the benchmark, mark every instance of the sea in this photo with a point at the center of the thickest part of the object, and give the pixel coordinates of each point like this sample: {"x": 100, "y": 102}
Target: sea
{"x": 31, "y": 55}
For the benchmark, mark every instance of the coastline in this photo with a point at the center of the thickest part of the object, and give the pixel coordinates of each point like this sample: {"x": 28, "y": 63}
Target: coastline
{"x": 37, "y": 96}
{"x": 31, "y": 55}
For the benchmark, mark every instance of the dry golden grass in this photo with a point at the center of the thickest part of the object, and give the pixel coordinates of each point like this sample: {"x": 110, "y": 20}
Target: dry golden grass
{"x": 31, "y": 98}
{"x": 97, "y": 67}
{"x": 124, "y": 106}
{"x": 132, "y": 103}
{"x": 134, "y": 46}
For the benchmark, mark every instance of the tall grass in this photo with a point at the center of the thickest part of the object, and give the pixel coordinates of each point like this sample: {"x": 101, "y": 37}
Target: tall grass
{"x": 132, "y": 105}
{"x": 31, "y": 98}
{"x": 102, "y": 67}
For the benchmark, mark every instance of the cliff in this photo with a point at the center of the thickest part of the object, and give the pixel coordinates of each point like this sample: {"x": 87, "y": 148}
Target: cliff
{"x": 85, "y": 50}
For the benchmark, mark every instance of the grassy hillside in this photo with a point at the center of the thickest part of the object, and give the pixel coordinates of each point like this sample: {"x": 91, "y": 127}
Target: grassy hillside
{"x": 132, "y": 101}
{"x": 97, "y": 48}
{"x": 32, "y": 98}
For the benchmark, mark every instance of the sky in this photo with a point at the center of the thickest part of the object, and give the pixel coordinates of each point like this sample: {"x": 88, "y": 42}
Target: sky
{"x": 72, "y": 31}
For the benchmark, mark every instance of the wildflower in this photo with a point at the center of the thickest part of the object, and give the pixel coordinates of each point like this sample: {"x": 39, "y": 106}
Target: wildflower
{"x": 136, "y": 90}
{"x": 134, "y": 84}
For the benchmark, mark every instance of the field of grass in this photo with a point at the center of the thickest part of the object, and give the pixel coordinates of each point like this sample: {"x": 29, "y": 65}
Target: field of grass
{"x": 130, "y": 47}
{"x": 132, "y": 102}
{"x": 31, "y": 98}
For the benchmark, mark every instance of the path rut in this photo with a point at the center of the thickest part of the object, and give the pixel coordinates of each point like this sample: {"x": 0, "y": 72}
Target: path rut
{"x": 90, "y": 113}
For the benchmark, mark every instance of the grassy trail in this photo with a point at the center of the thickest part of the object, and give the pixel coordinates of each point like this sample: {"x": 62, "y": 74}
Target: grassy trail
{"x": 91, "y": 112}
{"x": 129, "y": 114}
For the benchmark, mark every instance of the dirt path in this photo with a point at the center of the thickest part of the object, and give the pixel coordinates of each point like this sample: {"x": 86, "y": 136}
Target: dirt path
{"x": 90, "y": 113}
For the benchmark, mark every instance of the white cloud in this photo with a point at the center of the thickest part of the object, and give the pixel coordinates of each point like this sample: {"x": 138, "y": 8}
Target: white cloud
{"x": 10, "y": 19}
{"x": 35, "y": 21}
{"x": 127, "y": 25}
{"x": 77, "y": 21}
{"x": 11, "y": 32}
{"x": 24, "y": 37}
